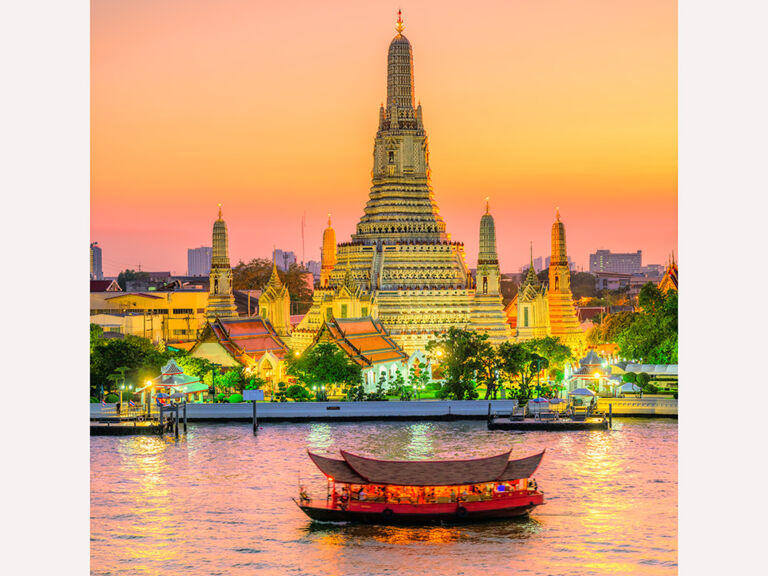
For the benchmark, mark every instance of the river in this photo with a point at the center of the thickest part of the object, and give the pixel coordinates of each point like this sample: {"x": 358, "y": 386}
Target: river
{"x": 218, "y": 502}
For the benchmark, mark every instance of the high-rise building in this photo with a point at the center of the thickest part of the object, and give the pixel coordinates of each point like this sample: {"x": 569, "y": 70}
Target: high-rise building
{"x": 284, "y": 259}
{"x": 221, "y": 302}
{"x": 315, "y": 268}
{"x": 199, "y": 261}
{"x": 96, "y": 270}
{"x": 401, "y": 263}
{"x": 623, "y": 263}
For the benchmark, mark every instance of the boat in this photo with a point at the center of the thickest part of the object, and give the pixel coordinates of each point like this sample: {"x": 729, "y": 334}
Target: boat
{"x": 371, "y": 491}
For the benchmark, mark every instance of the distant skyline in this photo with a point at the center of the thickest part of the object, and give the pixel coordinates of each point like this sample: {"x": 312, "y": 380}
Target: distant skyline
{"x": 271, "y": 110}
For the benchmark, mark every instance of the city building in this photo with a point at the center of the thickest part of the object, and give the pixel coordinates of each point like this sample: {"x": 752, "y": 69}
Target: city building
{"x": 401, "y": 266}
{"x": 612, "y": 281}
{"x": 621, "y": 263}
{"x": 314, "y": 267}
{"x": 131, "y": 323}
{"x": 284, "y": 260}
{"x": 199, "y": 261}
{"x": 537, "y": 264}
{"x": 96, "y": 270}
{"x": 221, "y": 302}
{"x": 180, "y": 313}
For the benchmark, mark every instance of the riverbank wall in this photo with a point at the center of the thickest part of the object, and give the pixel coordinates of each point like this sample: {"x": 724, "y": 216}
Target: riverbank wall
{"x": 338, "y": 411}
{"x": 410, "y": 410}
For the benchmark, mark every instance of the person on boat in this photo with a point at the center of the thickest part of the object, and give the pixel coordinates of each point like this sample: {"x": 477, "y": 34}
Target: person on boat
{"x": 344, "y": 495}
{"x": 453, "y": 495}
{"x": 361, "y": 494}
{"x": 532, "y": 484}
{"x": 303, "y": 496}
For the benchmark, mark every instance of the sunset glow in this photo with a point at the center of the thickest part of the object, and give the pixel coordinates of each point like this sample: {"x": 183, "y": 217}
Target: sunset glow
{"x": 271, "y": 110}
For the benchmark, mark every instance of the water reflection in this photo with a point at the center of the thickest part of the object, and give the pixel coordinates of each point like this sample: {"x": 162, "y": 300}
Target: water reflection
{"x": 219, "y": 502}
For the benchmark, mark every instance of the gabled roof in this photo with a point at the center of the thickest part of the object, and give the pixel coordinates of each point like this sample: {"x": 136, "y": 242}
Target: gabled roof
{"x": 134, "y": 295}
{"x": 591, "y": 359}
{"x": 246, "y": 339}
{"x": 356, "y": 469}
{"x": 105, "y": 286}
{"x": 364, "y": 340}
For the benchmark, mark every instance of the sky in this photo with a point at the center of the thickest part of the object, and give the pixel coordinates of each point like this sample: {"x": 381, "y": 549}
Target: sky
{"x": 271, "y": 108}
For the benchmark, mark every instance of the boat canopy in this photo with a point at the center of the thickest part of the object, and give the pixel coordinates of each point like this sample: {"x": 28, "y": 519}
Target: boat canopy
{"x": 356, "y": 469}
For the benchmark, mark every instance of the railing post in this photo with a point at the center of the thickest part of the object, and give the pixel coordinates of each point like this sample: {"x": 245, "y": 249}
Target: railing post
{"x": 185, "y": 417}
{"x": 610, "y": 416}
{"x": 255, "y": 422}
{"x": 162, "y": 424}
{"x": 176, "y": 421}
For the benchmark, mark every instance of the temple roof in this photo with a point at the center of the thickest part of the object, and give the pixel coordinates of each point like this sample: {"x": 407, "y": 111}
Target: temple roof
{"x": 246, "y": 339}
{"x": 364, "y": 340}
{"x": 356, "y": 469}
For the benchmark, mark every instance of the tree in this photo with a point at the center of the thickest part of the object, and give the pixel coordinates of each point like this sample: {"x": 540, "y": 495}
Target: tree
{"x": 556, "y": 353}
{"x": 629, "y": 377}
{"x": 324, "y": 364}
{"x": 129, "y": 274}
{"x": 467, "y": 357}
{"x": 297, "y": 393}
{"x": 255, "y": 275}
{"x": 397, "y": 384}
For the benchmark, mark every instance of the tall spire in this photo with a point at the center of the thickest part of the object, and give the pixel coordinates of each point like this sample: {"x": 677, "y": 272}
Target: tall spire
{"x": 400, "y": 93}
{"x": 487, "y": 205}
{"x": 220, "y": 218}
{"x": 400, "y": 24}
{"x": 557, "y": 213}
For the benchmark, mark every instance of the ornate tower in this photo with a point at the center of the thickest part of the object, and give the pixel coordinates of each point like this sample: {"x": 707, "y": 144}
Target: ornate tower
{"x": 328, "y": 255}
{"x": 487, "y": 312}
{"x": 275, "y": 303}
{"x": 221, "y": 303}
{"x": 563, "y": 321}
{"x": 488, "y": 274}
{"x": 401, "y": 258}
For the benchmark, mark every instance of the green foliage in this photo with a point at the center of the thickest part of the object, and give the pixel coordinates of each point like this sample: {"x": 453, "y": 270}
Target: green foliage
{"x": 467, "y": 358}
{"x": 221, "y": 397}
{"x": 356, "y": 393}
{"x": 629, "y": 377}
{"x": 297, "y": 393}
{"x": 379, "y": 393}
{"x": 323, "y": 364}
{"x": 256, "y": 384}
{"x": 650, "y": 335}
{"x": 255, "y": 274}
{"x": 555, "y": 353}
{"x": 137, "y": 356}
{"x": 583, "y": 285}
{"x": 642, "y": 380}
{"x": 396, "y": 386}
{"x": 520, "y": 364}
{"x": 130, "y": 275}
{"x": 94, "y": 400}
{"x": 280, "y": 395}
{"x": 112, "y": 398}
{"x": 235, "y": 398}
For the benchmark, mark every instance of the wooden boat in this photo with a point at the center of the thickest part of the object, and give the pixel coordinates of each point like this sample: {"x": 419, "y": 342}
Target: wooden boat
{"x": 399, "y": 492}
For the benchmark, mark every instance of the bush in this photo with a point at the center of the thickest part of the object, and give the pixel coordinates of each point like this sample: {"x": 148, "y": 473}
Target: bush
{"x": 297, "y": 393}
{"x": 434, "y": 386}
{"x": 94, "y": 400}
{"x": 235, "y": 398}
{"x": 112, "y": 398}
{"x": 675, "y": 395}
{"x": 221, "y": 397}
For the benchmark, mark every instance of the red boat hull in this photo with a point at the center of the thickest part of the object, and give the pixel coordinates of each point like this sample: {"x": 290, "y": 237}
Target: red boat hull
{"x": 391, "y": 513}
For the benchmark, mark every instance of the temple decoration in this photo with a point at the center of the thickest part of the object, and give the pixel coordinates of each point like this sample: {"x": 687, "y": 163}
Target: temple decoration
{"x": 275, "y": 303}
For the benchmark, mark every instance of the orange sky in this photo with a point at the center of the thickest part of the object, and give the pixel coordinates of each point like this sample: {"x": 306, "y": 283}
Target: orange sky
{"x": 271, "y": 109}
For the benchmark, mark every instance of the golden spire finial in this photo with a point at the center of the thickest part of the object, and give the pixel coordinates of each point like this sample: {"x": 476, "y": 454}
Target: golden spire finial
{"x": 329, "y": 219}
{"x": 531, "y": 253}
{"x": 557, "y": 210}
{"x": 487, "y": 205}
{"x": 400, "y": 24}
{"x": 219, "y": 211}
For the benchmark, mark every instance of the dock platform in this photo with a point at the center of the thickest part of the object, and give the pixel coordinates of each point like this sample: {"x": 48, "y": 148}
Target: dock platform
{"x": 559, "y": 425}
{"x": 134, "y": 428}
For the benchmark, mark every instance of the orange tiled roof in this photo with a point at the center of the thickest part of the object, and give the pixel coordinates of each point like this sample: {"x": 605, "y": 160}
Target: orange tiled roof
{"x": 364, "y": 340}
{"x": 251, "y": 337}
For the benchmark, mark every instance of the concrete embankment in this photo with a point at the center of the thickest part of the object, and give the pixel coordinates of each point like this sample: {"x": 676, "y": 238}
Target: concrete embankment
{"x": 340, "y": 411}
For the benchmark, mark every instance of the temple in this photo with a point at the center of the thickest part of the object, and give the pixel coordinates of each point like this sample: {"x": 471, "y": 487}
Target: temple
{"x": 669, "y": 280}
{"x": 539, "y": 311}
{"x": 401, "y": 266}
{"x": 221, "y": 302}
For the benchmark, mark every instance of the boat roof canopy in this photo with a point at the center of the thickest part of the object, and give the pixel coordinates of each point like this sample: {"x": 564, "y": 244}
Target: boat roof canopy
{"x": 356, "y": 469}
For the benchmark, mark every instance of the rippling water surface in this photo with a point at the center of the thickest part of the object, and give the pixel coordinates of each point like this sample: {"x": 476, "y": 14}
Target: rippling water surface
{"x": 219, "y": 503}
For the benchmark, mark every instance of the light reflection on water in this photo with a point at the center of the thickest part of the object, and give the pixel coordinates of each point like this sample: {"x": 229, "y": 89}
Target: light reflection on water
{"x": 219, "y": 503}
